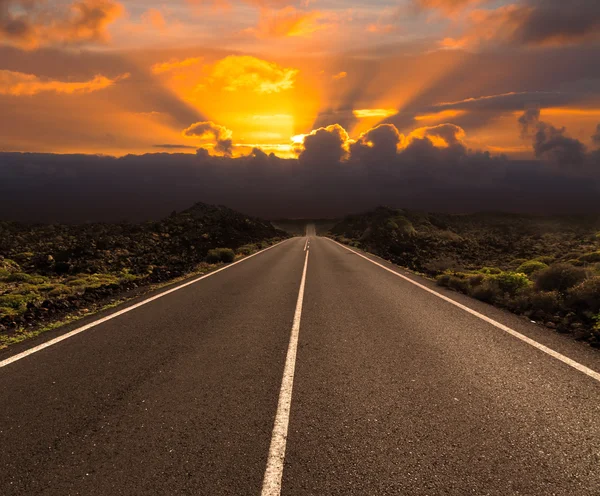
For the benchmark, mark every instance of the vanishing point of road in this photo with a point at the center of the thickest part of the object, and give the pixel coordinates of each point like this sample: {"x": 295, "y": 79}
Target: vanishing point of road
{"x": 306, "y": 369}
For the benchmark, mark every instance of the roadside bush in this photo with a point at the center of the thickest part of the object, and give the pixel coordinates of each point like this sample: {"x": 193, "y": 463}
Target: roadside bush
{"x": 548, "y": 302}
{"x": 475, "y": 279}
{"x": 486, "y": 291}
{"x": 531, "y": 266}
{"x": 490, "y": 270}
{"x": 402, "y": 225}
{"x": 17, "y": 277}
{"x": 61, "y": 290}
{"x": 587, "y": 294}
{"x": 443, "y": 280}
{"x": 15, "y": 301}
{"x": 459, "y": 283}
{"x": 511, "y": 282}
{"x": 559, "y": 277}
{"x": 246, "y": 250}
{"x": 216, "y": 255}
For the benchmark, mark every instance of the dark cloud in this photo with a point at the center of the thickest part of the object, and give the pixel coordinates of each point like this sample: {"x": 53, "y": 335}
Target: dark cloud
{"x": 596, "y": 136}
{"x": 208, "y": 129}
{"x": 550, "y": 143}
{"x": 327, "y": 146}
{"x": 380, "y": 143}
{"x": 553, "y": 145}
{"x": 528, "y": 121}
{"x": 557, "y": 21}
{"x": 30, "y": 24}
{"x": 334, "y": 175}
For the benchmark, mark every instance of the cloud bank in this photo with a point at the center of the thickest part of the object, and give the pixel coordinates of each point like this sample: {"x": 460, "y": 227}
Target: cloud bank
{"x": 430, "y": 168}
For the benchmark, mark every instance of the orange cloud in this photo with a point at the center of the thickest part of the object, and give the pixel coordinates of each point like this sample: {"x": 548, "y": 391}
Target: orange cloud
{"x": 30, "y": 24}
{"x": 154, "y": 18}
{"x": 243, "y": 72}
{"x": 442, "y": 135}
{"x": 288, "y": 22}
{"x": 488, "y": 25}
{"x": 447, "y": 6}
{"x": 21, "y": 84}
{"x": 439, "y": 116}
{"x": 381, "y": 28}
{"x": 340, "y": 75}
{"x": 367, "y": 113}
{"x": 174, "y": 64}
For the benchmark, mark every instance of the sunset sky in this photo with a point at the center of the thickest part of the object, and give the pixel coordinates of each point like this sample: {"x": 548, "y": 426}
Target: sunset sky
{"x": 109, "y": 77}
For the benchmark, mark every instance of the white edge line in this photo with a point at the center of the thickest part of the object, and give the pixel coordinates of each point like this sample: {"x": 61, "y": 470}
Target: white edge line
{"x": 274, "y": 470}
{"x": 549, "y": 351}
{"x": 69, "y": 334}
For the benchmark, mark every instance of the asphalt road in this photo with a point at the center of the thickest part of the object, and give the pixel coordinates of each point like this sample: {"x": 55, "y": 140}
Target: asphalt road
{"x": 375, "y": 386}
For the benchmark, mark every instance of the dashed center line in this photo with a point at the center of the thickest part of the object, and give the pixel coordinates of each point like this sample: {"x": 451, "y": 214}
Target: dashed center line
{"x": 274, "y": 471}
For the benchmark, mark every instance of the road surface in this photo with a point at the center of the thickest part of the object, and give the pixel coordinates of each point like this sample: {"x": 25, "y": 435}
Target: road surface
{"x": 307, "y": 369}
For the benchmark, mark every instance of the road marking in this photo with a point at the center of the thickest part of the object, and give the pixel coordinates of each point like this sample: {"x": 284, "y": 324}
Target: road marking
{"x": 67, "y": 335}
{"x": 549, "y": 351}
{"x": 306, "y": 244}
{"x": 274, "y": 471}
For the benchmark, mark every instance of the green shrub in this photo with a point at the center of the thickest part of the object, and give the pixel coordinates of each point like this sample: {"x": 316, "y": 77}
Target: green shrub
{"x": 61, "y": 290}
{"x": 490, "y": 270}
{"x": 18, "y": 277}
{"x": 246, "y": 250}
{"x": 14, "y": 301}
{"x": 227, "y": 255}
{"x": 216, "y": 255}
{"x": 476, "y": 279}
{"x": 402, "y": 225}
{"x": 511, "y": 282}
{"x": 486, "y": 291}
{"x": 587, "y": 294}
{"x": 454, "y": 280}
{"x": 459, "y": 283}
{"x": 559, "y": 277}
{"x": 548, "y": 302}
{"x": 9, "y": 311}
{"x": 531, "y": 266}
{"x": 592, "y": 257}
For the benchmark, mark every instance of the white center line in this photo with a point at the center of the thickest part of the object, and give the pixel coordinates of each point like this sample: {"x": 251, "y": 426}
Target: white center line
{"x": 306, "y": 244}
{"x": 67, "y": 335}
{"x": 549, "y": 351}
{"x": 274, "y": 471}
